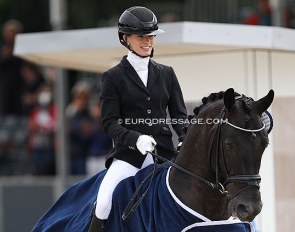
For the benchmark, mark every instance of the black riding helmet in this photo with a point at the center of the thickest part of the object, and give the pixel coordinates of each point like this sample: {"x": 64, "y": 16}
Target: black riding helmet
{"x": 137, "y": 20}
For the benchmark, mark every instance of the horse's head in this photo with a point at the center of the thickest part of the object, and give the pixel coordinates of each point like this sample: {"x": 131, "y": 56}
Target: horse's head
{"x": 223, "y": 149}
{"x": 241, "y": 140}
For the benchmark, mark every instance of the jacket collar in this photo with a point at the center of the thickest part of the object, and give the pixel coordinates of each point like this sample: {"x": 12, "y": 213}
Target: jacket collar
{"x": 137, "y": 62}
{"x": 153, "y": 74}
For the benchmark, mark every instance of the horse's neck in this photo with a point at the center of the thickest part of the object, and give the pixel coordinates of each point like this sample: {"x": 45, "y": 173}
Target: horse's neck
{"x": 193, "y": 192}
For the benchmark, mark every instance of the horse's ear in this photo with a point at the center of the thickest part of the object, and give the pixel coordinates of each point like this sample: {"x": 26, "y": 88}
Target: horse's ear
{"x": 262, "y": 104}
{"x": 229, "y": 98}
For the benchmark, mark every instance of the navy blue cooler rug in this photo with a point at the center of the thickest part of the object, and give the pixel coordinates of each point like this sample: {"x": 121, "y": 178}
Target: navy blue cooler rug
{"x": 160, "y": 210}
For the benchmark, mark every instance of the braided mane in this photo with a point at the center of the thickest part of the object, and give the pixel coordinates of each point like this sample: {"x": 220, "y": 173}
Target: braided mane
{"x": 215, "y": 97}
{"x": 212, "y": 97}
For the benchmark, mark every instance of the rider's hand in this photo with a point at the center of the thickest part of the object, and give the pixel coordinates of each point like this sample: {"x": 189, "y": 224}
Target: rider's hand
{"x": 145, "y": 144}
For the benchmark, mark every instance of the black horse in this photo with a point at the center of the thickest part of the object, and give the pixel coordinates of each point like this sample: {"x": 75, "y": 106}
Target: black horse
{"x": 215, "y": 176}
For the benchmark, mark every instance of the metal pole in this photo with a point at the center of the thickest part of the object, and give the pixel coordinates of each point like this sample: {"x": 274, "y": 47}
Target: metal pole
{"x": 58, "y": 16}
{"x": 62, "y": 154}
{"x": 277, "y": 7}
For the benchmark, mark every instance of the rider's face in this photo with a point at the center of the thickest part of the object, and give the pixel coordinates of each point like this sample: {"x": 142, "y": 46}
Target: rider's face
{"x": 141, "y": 44}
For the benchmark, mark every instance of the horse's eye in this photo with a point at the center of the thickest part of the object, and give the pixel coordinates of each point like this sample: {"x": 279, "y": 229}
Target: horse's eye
{"x": 229, "y": 146}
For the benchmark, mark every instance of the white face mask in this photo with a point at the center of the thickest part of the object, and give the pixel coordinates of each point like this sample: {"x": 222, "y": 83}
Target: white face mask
{"x": 44, "y": 98}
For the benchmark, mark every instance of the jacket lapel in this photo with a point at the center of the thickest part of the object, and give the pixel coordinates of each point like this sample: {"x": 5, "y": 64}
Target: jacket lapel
{"x": 132, "y": 75}
{"x": 153, "y": 74}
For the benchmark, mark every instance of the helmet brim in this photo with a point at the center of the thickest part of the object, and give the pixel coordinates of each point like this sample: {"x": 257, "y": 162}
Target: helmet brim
{"x": 156, "y": 32}
{"x": 139, "y": 32}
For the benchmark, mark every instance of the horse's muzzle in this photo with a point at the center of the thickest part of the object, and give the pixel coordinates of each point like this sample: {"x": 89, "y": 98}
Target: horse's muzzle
{"x": 247, "y": 205}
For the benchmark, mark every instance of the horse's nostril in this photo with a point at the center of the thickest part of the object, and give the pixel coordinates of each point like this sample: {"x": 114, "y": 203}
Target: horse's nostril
{"x": 242, "y": 209}
{"x": 244, "y": 213}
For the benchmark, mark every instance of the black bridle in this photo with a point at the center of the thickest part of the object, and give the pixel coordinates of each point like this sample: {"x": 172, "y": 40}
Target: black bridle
{"x": 249, "y": 180}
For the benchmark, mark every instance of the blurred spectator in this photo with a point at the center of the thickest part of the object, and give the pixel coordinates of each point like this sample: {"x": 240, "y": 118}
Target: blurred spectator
{"x": 79, "y": 126}
{"x": 288, "y": 14}
{"x": 32, "y": 80}
{"x": 100, "y": 143}
{"x": 13, "y": 140}
{"x": 42, "y": 128}
{"x": 169, "y": 17}
{"x": 6, "y": 148}
{"x": 10, "y": 66}
{"x": 261, "y": 15}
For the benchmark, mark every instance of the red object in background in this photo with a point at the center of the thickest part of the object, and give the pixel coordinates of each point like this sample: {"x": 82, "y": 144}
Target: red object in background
{"x": 253, "y": 19}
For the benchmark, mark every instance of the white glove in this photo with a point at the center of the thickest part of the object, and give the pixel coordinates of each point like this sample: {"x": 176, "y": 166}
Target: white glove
{"x": 179, "y": 146}
{"x": 145, "y": 144}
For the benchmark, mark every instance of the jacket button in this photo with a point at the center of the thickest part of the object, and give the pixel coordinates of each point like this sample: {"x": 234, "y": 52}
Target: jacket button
{"x": 149, "y": 111}
{"x": 148, "y": 98}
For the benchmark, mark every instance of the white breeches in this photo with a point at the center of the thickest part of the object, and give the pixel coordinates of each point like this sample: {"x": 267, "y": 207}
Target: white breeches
{"x": 119, "y": 170}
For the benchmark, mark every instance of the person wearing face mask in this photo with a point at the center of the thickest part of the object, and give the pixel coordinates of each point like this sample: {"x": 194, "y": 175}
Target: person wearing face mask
{"x": 136, "y": 96}
{"x": 79, "y": 127}
{"x": 42, "y": 127}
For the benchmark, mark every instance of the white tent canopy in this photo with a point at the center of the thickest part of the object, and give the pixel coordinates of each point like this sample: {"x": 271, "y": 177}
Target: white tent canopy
{"x": 97, "y": 49}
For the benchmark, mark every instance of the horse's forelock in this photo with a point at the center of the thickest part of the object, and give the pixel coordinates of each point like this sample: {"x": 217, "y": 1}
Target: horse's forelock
{"x": 246, "y": 107}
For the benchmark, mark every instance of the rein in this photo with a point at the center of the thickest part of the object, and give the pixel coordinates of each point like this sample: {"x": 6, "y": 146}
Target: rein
{"x": 132, "y": 204}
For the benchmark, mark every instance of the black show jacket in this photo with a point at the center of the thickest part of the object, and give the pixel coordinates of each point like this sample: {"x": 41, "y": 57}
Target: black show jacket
{"x": 129, "y": 109}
